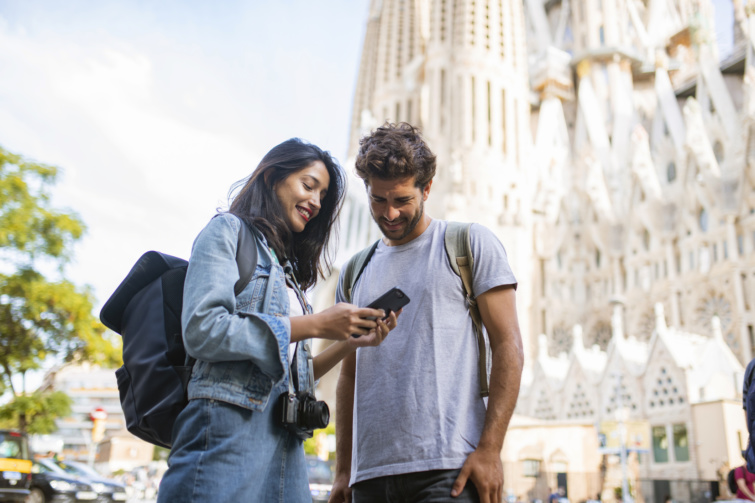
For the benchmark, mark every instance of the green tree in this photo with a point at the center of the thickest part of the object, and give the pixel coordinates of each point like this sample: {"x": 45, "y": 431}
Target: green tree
{"x": 40, "y": 316}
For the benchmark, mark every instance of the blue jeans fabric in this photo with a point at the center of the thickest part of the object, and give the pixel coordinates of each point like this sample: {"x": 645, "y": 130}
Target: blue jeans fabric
{"x": 224, "y": 453}
{"x": 419, "y": 487}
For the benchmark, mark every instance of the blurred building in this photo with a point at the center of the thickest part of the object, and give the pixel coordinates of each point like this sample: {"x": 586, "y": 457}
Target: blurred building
{"x": 610, "y": 147}
{"x": 91, "y": 387}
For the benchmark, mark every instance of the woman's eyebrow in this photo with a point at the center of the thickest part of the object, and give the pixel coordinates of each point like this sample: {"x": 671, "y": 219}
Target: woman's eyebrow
{"x": 313, "y": 178}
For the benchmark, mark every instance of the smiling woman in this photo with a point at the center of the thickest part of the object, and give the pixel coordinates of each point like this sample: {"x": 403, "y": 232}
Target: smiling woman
{"x": 251, "y": 393}
{"x": 300, "y": 195}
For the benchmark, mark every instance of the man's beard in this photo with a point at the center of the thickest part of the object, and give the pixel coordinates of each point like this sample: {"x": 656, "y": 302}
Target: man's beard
{"x": 409, "y": 228}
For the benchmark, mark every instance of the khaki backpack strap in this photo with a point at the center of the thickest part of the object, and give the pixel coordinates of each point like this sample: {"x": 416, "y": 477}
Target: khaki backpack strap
{"x": 354, "y": 267}
{"x": 459, "y": 251}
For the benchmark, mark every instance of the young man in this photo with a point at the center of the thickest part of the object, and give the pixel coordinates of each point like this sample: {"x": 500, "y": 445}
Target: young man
{"x": 411, "y": 424}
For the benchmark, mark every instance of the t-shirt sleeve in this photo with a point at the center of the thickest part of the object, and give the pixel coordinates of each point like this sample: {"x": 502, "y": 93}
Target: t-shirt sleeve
{"x": 491, "y": 264}
{"x": 339, "y": 288}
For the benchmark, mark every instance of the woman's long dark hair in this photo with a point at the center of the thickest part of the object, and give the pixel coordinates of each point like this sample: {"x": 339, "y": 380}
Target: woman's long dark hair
{"x": 257, "y": 204}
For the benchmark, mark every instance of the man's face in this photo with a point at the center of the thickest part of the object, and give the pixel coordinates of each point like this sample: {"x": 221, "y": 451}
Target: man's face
{"x": 398, "y": 207}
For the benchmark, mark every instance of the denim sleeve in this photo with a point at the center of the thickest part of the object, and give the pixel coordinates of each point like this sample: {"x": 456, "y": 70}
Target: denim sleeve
{"x": 211, "y": 330}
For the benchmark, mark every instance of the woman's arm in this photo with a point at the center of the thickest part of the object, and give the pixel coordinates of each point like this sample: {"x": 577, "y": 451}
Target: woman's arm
{"x": 211, "y": 330}
{"x": 333, "y": 354}
{"x": 336, "y": 323}
{"x": 742, "y": 485}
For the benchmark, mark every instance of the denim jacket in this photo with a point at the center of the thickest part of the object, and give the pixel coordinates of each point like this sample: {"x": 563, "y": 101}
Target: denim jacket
{"x": 241, "y": 343}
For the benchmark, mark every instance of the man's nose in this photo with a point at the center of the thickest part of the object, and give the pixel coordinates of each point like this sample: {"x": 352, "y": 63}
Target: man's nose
{"x": 392, "y": 213}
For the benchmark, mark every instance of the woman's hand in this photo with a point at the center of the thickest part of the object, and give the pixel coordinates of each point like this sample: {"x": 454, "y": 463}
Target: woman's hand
{"x": 336, "y": 323}
{"x": 338, "y": 351}
{"x": 377, "y": 335}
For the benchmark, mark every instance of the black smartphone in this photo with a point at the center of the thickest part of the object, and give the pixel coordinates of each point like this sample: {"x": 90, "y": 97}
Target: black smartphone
{"x": 391, "y": 301}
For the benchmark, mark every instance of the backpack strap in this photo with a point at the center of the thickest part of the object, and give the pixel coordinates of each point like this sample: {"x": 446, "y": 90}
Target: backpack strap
{"x": 459, "y": 251}
{"x": 354, "y": 268}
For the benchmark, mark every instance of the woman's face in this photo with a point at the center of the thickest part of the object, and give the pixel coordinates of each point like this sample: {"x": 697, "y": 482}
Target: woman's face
{"x": 301, "y": 193}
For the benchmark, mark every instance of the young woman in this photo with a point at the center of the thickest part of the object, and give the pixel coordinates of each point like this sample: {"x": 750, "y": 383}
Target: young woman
{"x": 230, "y": 443}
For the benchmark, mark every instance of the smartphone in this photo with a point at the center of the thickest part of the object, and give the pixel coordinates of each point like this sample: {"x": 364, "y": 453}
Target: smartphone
{"x": 391, "y": 301}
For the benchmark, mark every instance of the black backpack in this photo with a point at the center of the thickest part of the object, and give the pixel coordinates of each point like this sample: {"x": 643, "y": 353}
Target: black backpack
{"x": 145, "y": 310}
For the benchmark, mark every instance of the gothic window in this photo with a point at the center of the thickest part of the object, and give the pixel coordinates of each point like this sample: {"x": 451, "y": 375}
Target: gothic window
{"x": 664, "y": 392}
{"x": 718, "y": 151}
{"x": 600, "y": 335}
{"x": 560, "y": 341}
{"x": 580, "y": 405}
{"x": 472, "y": 12}
{"x": 646, "y": 239}
{"x": 671, "y": 171}
{"x": 501, "y": 31}
{"x": 627, "y": 400}
{"x": 443, "y": 20}
{"x": 716, "y": 304}
{"x": 645, "y": 326}
{"x": 544, "y": 406}
{"x": 487, "y": 25}
{"x": 703, "y": 219}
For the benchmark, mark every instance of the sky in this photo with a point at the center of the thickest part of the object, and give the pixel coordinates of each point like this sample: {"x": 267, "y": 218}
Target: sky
{"x": 152, "y": 110}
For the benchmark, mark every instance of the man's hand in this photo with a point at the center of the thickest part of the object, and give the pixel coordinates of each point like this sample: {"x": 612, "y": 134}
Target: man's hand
{"x": 483, "y": 467}
{"x": 341, "y": 492}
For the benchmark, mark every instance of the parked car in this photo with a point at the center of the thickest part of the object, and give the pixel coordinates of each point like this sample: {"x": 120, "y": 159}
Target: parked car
{"x": 320, "y": 479}
{"x": 51, "y": 484}
{"x": 15, "y": 466}
{"x": 108, "y": 490}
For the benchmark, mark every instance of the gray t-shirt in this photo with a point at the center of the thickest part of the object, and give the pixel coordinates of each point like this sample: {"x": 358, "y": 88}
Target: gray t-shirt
{"x": 417, "y": 402}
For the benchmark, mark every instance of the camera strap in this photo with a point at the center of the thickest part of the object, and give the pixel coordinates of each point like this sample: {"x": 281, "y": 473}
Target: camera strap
{"x": 306, "y": 309}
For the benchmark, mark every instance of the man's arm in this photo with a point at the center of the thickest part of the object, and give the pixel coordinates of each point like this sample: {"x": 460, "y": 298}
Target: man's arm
{"x": 483, "y": 467}
{"x": 341, "y": 491}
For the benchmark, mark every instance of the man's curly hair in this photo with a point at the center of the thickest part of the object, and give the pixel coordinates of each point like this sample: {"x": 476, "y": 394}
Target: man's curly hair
{"x": 395, "y": 151}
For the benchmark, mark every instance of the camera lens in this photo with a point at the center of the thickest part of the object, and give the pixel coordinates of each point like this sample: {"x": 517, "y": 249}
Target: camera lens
{"x": 316, "y": 414}
{"x": 399, "y": 294}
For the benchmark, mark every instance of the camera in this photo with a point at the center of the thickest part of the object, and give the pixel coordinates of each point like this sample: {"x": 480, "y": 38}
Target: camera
{"x": 301, "y": 413}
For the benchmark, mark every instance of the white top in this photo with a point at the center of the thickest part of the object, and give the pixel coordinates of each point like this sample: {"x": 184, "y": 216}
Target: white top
{"x": 293, "y": 310}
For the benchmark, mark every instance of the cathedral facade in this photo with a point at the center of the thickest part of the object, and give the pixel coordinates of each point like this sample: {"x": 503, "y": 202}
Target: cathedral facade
{"x": 612, "y": 149}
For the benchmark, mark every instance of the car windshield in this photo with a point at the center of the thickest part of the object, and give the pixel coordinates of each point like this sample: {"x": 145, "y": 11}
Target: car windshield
{"x": 319, "y": 471}
{"x": 78, "y": 469}
{"x": 13, "y": 445}
{"x": 51, "y": 465}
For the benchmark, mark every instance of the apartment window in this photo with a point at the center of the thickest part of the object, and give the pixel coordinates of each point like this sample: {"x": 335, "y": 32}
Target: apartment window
{"x": 660, "y": 444}
{"x": 681, "y": 442}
